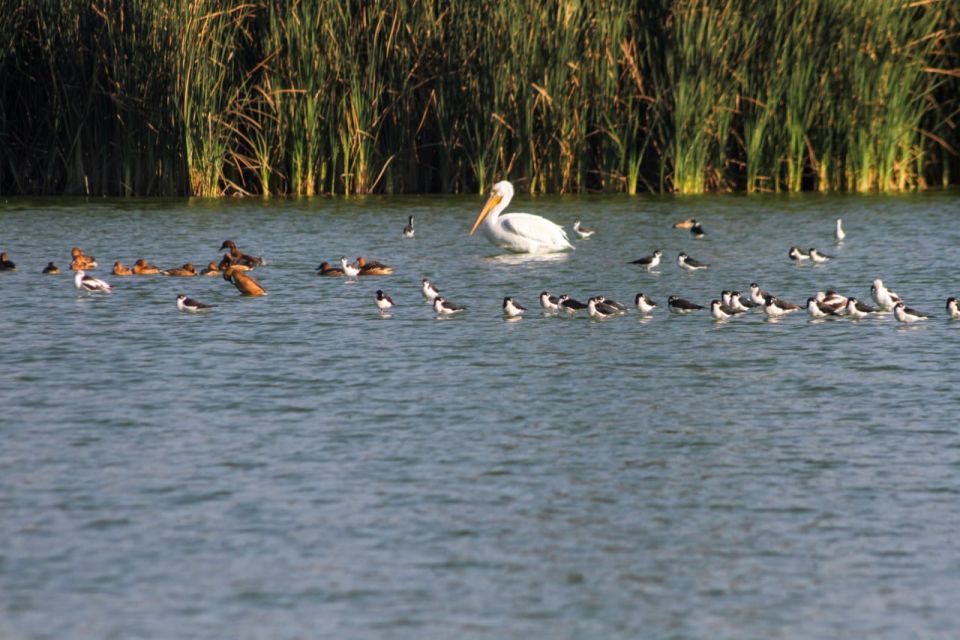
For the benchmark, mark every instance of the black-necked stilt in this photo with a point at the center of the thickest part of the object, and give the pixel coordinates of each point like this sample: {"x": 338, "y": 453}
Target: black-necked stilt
{"x": 192, "y": 306}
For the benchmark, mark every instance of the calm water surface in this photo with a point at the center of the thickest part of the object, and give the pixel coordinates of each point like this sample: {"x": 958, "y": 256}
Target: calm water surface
{"x": 296, "y": 466}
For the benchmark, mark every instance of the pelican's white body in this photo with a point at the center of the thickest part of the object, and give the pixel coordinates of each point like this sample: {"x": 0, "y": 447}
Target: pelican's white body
{"x": 519, "y": 232}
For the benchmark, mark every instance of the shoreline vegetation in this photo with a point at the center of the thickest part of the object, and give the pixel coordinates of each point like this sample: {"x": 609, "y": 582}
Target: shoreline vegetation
{"x": 293, "y": 97}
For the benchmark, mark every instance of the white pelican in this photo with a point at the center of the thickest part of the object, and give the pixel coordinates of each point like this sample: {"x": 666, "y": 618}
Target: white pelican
{"x": 518, "y": 232}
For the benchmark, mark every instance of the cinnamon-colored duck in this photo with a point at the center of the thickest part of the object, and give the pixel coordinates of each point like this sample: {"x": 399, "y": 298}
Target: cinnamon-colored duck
{"x": 373, "y": 268}
{"x": 80, "y": 261}
{"x": 143, "y": 268}
{"x": 186, "y": 271}
{"x": 244, "y": 283}
{"x": 120, "y": 269}
{"x": 238, "y": 257}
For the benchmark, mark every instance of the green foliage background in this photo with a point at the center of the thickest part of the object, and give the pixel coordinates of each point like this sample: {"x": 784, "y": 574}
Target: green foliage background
{"x": 270, "y": 97}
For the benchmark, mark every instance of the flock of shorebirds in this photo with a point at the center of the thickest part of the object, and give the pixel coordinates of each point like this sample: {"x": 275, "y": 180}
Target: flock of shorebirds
{"x": 524, "y": 233}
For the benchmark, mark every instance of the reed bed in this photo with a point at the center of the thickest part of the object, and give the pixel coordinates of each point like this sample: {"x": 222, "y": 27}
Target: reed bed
{"x": 307, "y": 97}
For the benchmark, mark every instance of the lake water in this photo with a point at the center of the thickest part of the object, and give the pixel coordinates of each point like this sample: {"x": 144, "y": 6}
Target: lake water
{"x": 296, "y": 466}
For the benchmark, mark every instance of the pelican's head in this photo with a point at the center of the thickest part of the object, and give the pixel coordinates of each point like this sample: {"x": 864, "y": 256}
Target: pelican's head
{"x": 502, "y": 192}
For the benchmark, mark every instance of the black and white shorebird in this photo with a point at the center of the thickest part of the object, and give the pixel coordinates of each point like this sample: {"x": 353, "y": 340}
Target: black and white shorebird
{"x": 952, "y": 309}
{"x": 568, "y": 303}
{"x": 885, "y": 298}
{"x": 351, "y": 270}
{"x": 680, "y": 306}
{"x": 775, "y": 307}
{"x": 727, "y": 304}
{"x": 720, "y": 311}
{"x": 818, "y": 309}
{"x": 697, "y": 230}
{"x": 408, "y": 230}
{"x": 686, "y": 262}
{"x": 445, "y": 308}
{"x": 429, "y": 290}
{"x": 737, "y": 302}
{"x": 89, "y": 283}
{"x": 549, "y": 302}
{"x": 904, "y": 313}
{"x": 512, "y": 309}
{"x": 797, "y": 255}
{"x": 582, "y": 231}
{"x": 649, "y": 262}
{"x": 757, "y": 295}
{"x": 618, "y": 307}
{"x": 644, "y": 304}
{"x": 817, "y": 257}
{"x": 192, "y": 306}
{"x": 839, "y": 233}
{"x": 600, "y": 310}
{"x": 384, "y": 302}
{"x": 859, "y": 310}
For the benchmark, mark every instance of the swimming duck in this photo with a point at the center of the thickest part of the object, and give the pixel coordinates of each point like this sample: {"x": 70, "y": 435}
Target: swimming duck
{"x": 51, "y": 269}
{"x": 238, "y": 257}
{"x": 211, "y": 270}
{"x": 327, "y": 269}
{"x": 143, "y": 268}
{"x": 244, "y": 283}
{"x": 226, "y": 262}
{"x": 186, "y": 271}
{"x": 119, "y": 269}
{"x": 5, "y": 263}
{"x": 373, "y": 268}
{"x": 81, "y": 261}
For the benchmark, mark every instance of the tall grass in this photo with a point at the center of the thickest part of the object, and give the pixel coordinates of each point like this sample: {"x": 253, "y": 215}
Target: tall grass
{"x": 303, "y": 97}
